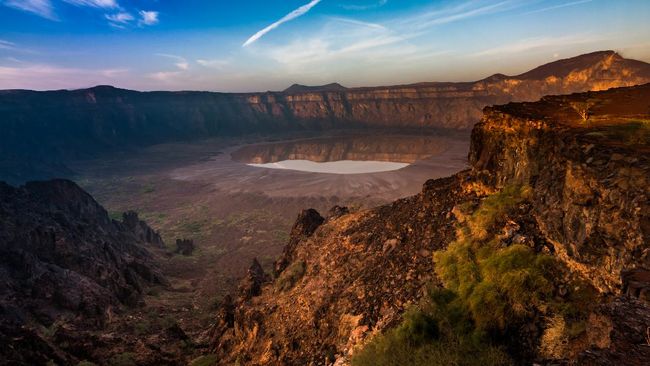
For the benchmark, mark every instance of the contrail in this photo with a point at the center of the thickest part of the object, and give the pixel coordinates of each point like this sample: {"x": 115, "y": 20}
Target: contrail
{"x": 293, "y": 15}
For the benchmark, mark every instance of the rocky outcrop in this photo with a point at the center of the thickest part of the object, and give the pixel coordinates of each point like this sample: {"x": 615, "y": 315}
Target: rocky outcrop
{"x": 141, "y": 230}
{"x": 184, "y": 246}
{"x": 588, "y": 207}
{"x": 308, "y": 221}
{"x": 99, "y": 119}
{"x": 63, "y": 260}
{"x": 590, "y": 178}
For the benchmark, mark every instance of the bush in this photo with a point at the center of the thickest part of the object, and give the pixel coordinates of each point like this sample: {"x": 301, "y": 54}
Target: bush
{"x": 495, "y": 283}
{"x": 123, "y": 359}
{"x": 207, "y": 360}
{"x": 427, "y": 337}
{"x": 291, "y": 275}
{"x": 488, "y": 288}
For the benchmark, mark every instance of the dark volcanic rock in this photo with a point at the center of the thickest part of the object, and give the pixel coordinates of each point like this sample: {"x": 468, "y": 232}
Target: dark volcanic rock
{"x": 185, "y": 246}
{"x": 306, "y": 223}
{"x": 62, "y": 259}
{"x": 336, "y": 212}
{"x": 251, "y": 285}
{"x": 141, "y": 230}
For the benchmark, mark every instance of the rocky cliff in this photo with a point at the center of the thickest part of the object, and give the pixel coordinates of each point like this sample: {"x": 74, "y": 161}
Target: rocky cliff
{"x": 42, "y": 128}
{"x": 64, "y": 262}
{"x": 583, "y": 159}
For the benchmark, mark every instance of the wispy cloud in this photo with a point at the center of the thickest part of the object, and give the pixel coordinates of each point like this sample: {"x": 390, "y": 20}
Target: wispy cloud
{"x": 180, "y": 63}
{"x": 529, "y": 44}
{"x": 42, "y": 8}
{"x": 376, "y": 5}
{"x": 293, "y": 15}
{"x": 559, "y": 6}
{"x": 104, "y": 4}
{"x": 120, "y": 19}
{"x": 214, "y": 63}
{"x": 358, "y": 22}
{"x": 462, "y": 11}
{"x": 43, "y": 76}
{"x": 6, "y": 45}
{"x": 148, "y": 17}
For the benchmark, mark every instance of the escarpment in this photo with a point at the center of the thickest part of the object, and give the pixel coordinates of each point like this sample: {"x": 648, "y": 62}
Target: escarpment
{"x": 590, "y": 176}
{"x": 580, "y": 162}
{"x": 43, "y": 129}
{"x": 65, "y": 263}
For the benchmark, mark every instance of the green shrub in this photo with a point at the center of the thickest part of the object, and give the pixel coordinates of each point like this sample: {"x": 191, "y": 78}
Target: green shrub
{"x": 207, "y": 360}
{"x": 291, "y": 275}
{"x": 497, "y": 284}
{"x": 494, "y": 208}
{"x": 427, "y": 337}
{"x": 122, "y": 359}
{"x": 86, "y": 363}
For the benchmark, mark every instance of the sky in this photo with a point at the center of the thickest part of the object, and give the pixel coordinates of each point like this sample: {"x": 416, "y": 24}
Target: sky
{"x": 259, "y": 45}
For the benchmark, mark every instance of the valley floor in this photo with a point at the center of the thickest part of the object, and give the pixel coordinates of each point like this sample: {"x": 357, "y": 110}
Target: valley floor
{"x": 233, "y": 212}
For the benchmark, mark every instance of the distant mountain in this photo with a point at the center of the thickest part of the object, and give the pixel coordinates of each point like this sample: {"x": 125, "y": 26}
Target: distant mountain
{"x": 64, "y": 262}
{"x": 42, "y": 129}
{"x": 297, "y": 88}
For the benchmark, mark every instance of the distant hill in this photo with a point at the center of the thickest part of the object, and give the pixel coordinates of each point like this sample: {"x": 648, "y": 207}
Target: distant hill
{"x": 297, "y": 88}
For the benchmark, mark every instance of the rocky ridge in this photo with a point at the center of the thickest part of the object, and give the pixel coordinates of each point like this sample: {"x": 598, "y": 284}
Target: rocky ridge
{"x": 584, "y": 156}
{"x": 96, "y": 120}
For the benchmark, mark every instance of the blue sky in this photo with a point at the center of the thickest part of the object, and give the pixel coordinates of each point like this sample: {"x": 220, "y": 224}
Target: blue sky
{"x": 256, "y": 45}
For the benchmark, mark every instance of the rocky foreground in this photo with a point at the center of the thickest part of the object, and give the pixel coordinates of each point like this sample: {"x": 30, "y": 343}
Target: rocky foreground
{"x": 66, "y": 269}
{"x": 346, "y": 277}
{"x": 44, "y": 129}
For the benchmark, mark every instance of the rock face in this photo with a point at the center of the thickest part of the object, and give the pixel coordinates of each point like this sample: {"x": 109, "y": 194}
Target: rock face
{"x": 62, "y": 259}
{"x": 103, "y": 118}
{"x": 590, "y": 177}
{"x": 361, "y": 270}
{"x": 141, "y": 230}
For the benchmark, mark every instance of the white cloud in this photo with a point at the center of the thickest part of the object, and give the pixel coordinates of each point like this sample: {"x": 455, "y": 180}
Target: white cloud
{"x": 6, "y": 45}
{"x": 214, "y": 64}
{"x": 36, "y": 76}
{"x": 42, "y": 8}
{"x": 165, "y": 76}
{"x": 293, "y": 15}
{"x": 181, "y": 63}
{"x": 104, "y": 4}
{"x": 462, "y": 11}
{"x": 148, "y": 17}
{"x": 119, "y": 19}
{"x": 559, "y": 6}
{"x": 376, "y": 5}
{"x": 529, "y": 44}
{"x": 358, "y": 22}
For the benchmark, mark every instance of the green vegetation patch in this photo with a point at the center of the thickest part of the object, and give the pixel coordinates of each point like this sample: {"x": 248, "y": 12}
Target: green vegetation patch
{"x": 290, "y": 276}
{"x": 489, "y": 287}
{"x": 207, "y": 360}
